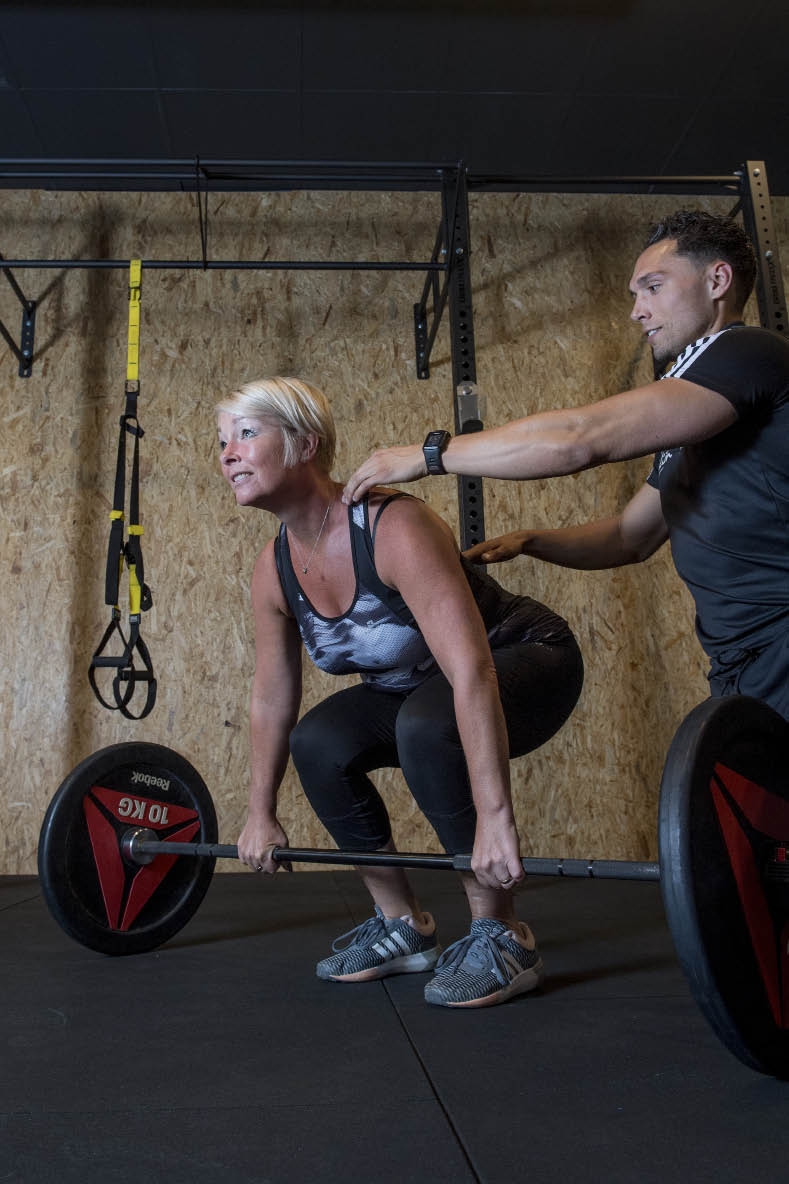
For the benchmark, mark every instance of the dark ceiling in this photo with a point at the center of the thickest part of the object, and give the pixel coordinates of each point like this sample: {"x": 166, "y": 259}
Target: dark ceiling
{"x": 574, "y": 87}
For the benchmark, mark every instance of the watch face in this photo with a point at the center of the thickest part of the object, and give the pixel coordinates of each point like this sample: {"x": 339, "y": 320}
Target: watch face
{"x": 435, "y": 443}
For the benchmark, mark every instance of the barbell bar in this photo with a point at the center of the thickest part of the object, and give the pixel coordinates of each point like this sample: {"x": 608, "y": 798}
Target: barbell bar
{"x": 113, "y": 875}
{"x": 138, "y": 847}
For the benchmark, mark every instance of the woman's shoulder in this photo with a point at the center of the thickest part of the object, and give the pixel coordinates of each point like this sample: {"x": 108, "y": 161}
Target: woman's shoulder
{"x": 382, "y": 494}
{"x": 402, "y": 513}
{"x": 266, "y": 584}
{"x": 266, "y": 560}
{"x": 404, "y": 529}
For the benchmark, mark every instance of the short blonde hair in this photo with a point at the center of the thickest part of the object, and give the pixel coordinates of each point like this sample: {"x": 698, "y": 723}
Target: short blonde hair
{"x": 296, "y": 407}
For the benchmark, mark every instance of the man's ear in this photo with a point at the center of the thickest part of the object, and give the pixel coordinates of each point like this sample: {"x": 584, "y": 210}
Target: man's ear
{"x": 720, "y": 278}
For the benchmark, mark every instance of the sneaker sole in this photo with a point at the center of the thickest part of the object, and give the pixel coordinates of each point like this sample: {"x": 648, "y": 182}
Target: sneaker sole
{"x": 408, "y": 964}
{"x": 527, "y": 980}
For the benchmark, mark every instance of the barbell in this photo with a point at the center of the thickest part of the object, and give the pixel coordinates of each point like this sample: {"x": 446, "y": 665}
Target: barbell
{"x": 141, "y": 846}
{"x": 129, "y": 843}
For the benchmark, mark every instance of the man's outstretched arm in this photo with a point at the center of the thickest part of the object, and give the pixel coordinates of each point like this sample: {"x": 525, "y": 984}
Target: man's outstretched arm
{"x": 664, "y": 414}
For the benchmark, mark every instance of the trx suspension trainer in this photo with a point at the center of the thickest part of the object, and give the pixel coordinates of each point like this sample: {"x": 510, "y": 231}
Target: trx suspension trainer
{"x": 128, "y": 549}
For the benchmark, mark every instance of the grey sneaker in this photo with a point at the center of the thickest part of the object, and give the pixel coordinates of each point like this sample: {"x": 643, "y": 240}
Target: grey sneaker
{"x": 377, "y": 948}
{"x": 487, "y": 967}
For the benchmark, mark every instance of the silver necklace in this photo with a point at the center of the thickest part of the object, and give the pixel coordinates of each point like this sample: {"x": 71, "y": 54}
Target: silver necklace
{"x": 305, "y": 566}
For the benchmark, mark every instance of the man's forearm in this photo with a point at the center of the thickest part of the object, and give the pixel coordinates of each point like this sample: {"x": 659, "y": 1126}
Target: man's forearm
{"x": 550, "y": 444}
{"x": 590, "y": 547}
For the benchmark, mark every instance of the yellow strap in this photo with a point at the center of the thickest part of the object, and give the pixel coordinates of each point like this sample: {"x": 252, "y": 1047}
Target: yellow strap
{"x": 135, "y": 591}
{"x": 135, "y": 296}
{"x": 135, "y": 530}
{"x": 115, "y": 514}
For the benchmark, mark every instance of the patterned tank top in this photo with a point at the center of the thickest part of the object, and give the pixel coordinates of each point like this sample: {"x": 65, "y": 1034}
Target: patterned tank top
{"x": 378, "y": 637}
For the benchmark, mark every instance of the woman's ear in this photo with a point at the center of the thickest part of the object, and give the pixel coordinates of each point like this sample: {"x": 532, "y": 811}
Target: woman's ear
{"x": 308, "y": 446}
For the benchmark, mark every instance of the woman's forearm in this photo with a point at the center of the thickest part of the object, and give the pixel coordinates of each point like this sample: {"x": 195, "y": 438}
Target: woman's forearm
{"x": 269, "y": 734}
{"x": 483, "y": 735}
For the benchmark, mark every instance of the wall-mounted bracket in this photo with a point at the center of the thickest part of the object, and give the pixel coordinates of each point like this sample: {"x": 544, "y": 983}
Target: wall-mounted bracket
{"x": 433, "y": 298}
{"x": 421, "y": 346}
{"x": 470, "y": 407}
{"x": 27, "y": 335}
{"x": 23, "y": 352}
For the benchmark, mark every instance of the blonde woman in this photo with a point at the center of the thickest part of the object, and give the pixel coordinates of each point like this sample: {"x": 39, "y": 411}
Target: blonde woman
{"x": 457, "y": 676}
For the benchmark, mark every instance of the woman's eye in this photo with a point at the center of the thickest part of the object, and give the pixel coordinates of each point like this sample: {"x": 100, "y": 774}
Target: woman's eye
{"x": 222, "y": 445}
{"x": 246, "y": 432}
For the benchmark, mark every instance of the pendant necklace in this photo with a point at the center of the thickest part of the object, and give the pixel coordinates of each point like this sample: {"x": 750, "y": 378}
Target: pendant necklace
{"x": 305, "y": 566}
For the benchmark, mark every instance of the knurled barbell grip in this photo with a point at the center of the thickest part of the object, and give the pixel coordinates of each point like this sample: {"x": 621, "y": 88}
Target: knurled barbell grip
{"x": 589, "y": 869}
{"x": 594, "y": 869}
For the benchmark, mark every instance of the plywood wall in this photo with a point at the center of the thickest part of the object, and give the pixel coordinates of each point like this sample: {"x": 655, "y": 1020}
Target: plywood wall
{"x": 551, "y": 311}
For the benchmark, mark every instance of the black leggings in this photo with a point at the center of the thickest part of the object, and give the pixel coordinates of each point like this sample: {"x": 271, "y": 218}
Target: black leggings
{"x": 336, "y": 744}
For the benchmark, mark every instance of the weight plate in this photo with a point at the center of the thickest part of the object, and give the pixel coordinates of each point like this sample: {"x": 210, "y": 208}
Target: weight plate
{"x": 724, "y": 840}
{"x": 98, "y": 897}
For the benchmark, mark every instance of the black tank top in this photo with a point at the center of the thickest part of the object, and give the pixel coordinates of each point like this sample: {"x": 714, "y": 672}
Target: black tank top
{"x": 377, "y": 637}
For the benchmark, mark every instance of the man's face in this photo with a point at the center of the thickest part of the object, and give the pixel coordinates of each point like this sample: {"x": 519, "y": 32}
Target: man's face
{"x": 673, "y": 302}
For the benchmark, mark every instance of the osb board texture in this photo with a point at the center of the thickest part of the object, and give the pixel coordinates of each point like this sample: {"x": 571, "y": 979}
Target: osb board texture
{"x": 551, "y": 313}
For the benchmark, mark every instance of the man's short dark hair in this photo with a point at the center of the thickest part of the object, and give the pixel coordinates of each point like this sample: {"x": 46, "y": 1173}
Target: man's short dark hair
{"x": 706, "y": 237}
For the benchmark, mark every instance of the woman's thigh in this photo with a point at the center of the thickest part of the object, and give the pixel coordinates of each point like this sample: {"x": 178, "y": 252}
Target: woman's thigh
{"x": 334, "y": 746}
{"x": 539, "y": 686}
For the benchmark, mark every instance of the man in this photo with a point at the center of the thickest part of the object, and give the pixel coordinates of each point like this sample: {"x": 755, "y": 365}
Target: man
{"x": 718, "y": 421}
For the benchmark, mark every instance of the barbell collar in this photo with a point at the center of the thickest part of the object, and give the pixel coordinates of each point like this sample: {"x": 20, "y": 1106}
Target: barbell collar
{"x": 139, "y": 849}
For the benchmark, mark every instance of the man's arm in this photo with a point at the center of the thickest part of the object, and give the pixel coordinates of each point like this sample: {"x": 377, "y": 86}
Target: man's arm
{"x": 664, "y": 414}
{"x": 628, "y": 537}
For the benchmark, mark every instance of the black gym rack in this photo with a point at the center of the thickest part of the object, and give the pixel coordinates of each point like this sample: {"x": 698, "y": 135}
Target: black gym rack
{"x": 447, "y": 272}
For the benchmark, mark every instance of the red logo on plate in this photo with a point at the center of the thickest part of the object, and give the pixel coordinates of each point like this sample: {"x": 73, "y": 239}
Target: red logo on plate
{"x": 769, "y": 815}
{"x": 113, "y": 871}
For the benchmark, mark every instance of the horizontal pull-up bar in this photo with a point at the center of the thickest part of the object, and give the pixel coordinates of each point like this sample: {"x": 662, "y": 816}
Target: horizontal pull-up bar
{"x": 515, "y": 180}
{"x": 222, "y": 265}
{"x": 201, "y": 174}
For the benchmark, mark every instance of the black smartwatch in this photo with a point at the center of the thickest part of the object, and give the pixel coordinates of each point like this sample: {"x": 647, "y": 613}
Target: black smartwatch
{"x": 434, "y": 445}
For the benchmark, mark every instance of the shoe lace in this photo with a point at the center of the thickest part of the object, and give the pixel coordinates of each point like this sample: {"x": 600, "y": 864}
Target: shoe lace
{"x": 361, "y": 935}
{"x": 479, "y": 951}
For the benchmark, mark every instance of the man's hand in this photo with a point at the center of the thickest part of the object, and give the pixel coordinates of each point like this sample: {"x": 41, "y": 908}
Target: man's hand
{"x": 506, "y": 546}
{"x": 387, "y": 466}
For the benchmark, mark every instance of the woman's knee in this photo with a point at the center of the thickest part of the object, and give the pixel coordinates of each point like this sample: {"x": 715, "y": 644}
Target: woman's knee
{"x": 317, "y": 741}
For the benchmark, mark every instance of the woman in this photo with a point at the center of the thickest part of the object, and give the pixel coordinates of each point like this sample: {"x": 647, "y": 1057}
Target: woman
{"x": 379, "y": 589}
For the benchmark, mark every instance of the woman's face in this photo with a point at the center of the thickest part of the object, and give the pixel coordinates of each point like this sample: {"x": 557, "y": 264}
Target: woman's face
{"x": 251, "y": 457}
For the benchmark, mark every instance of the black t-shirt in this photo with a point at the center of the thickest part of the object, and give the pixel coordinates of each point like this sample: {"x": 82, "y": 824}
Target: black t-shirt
{"x": 726, "y": 500}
